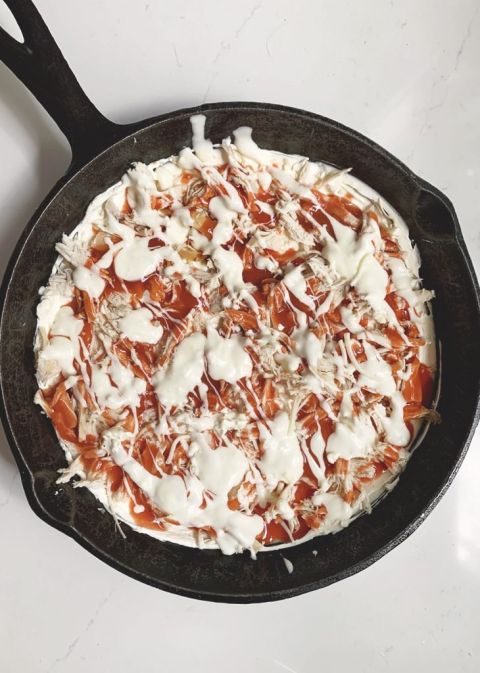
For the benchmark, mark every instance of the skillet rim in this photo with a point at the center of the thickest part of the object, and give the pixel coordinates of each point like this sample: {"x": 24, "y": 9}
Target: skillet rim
{"x": 28, "y": 479}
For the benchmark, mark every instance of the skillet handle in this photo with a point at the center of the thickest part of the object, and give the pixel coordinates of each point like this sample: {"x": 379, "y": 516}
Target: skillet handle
{"x": 40, "y": 65}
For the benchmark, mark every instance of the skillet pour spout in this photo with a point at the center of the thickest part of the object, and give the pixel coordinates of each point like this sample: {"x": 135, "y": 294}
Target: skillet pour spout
{"x": 101, "y": 152}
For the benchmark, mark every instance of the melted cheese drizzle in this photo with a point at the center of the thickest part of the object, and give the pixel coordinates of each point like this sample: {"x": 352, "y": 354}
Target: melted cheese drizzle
{"x": 227, "y": 383}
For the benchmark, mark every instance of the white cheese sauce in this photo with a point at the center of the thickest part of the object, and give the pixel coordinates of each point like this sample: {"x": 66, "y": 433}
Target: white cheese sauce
{"x": 183, "y": 374}
{"x": 137, "y": 325}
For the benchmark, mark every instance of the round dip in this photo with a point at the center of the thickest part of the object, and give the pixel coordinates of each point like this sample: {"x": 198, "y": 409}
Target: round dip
{"x": 235, "y": 348}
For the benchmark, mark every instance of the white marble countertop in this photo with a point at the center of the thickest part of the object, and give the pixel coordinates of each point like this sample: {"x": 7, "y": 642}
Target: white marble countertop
{"x": 405, "y": 73}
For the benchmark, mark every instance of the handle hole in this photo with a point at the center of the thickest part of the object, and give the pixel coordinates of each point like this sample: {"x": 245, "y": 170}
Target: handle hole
{"x": 8, "y": 23}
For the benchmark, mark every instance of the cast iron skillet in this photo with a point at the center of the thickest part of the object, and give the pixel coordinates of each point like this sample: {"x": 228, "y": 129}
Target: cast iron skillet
{"x": 101, "y": 153}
